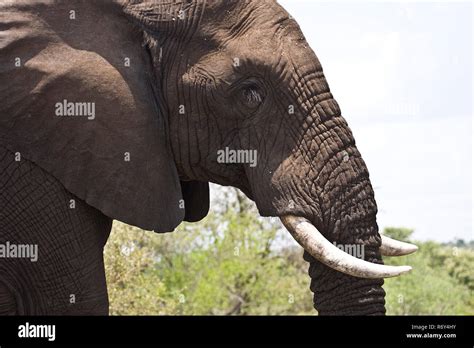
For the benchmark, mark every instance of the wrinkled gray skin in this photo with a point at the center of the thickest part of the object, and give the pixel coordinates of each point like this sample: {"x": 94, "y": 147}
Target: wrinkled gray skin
{"x": 308, "y": 158}
{"x": 247, "y": 80}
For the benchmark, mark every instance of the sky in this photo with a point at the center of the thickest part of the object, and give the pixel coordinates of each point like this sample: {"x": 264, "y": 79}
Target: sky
{"x": 402, "y": 75}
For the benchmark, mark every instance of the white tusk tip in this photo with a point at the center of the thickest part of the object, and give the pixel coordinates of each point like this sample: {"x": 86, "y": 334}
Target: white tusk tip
{"x": 393, "y": 247}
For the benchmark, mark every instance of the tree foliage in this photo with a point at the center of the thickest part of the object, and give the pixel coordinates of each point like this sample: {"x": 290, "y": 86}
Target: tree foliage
{"x": 441, "y": 281}
{"x": 233, "y": 262}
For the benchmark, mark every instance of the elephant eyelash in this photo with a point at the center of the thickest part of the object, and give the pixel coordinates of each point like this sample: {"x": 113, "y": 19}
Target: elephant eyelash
{"x": 252, "y": 97}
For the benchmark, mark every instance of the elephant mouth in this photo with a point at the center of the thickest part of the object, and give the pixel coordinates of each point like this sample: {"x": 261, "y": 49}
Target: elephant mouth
{"x": 306, "y": 234}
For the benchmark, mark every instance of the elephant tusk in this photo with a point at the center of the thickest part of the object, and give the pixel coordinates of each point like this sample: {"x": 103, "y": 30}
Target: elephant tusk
{"x": 321, "y": 249}
{"x": 393, "y": 247}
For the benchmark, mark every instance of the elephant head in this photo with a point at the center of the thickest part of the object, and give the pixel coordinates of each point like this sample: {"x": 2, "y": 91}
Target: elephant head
{"x": 177, "y": 86}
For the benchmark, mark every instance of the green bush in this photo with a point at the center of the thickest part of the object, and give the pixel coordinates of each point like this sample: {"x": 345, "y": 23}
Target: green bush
{"x": 230, "y": 263}
{"x": 132, "y": 288}
{"x": 440, "y": 283}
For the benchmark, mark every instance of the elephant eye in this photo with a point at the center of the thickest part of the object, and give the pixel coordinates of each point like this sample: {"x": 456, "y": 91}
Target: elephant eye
{"x": 252, "y": 96}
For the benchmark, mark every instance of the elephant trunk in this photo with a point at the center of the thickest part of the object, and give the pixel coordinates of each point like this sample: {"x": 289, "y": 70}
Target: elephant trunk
{"x": 336, "y": 293}
{"x": 346, "y": 270}
{"x": 346, "y": 267}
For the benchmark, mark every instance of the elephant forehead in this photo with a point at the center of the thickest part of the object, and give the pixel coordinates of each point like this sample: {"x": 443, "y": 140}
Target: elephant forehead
{"x": 263, "y": 33}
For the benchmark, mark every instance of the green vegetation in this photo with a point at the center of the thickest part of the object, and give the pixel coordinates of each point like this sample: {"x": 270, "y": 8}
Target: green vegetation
{"x": 234, "y": 262}
{"x": 442, "y": 280}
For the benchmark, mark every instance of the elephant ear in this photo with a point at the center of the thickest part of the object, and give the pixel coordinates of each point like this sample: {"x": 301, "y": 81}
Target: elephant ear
{"x": 78, "y": 98}
{"x": 196, "y": 198}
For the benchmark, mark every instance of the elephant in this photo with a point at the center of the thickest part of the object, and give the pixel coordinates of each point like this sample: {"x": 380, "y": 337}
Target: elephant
{"x": 120, "y": 110}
